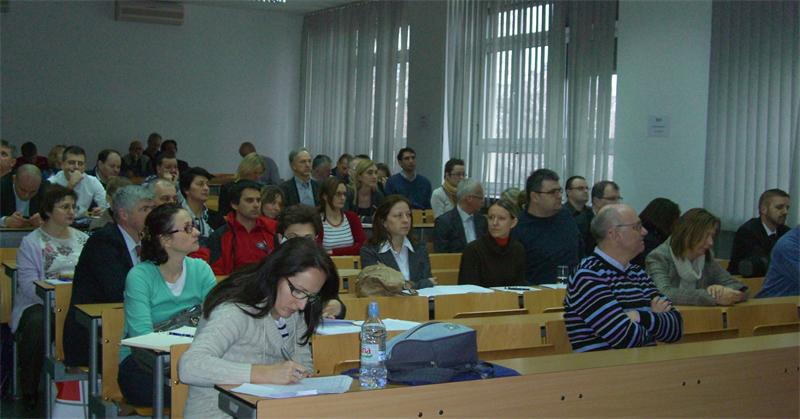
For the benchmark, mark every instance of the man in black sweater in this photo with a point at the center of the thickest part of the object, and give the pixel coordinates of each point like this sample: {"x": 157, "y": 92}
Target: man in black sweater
{"x": 754, "y": 240}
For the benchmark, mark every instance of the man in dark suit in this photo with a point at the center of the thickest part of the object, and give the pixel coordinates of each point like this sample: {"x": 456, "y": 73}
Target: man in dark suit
{"x": 300, "y": 189}
{"x": 104, "y": 263}
{"x": 20, "y": 194}
{"x": 754, "y": 240}
{"x": 453, "y": 230}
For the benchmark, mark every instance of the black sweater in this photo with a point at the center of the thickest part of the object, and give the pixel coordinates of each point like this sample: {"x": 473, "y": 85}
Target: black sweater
{"x": 487, "y": 264}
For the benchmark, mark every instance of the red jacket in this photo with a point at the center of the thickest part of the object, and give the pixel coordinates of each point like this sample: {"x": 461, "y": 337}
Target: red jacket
{"x": 232, "y": 246}
{"x": 359, "y": 237}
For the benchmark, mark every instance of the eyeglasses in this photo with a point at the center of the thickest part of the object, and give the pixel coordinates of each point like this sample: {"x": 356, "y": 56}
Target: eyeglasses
{"x": 637, "y": 226}
{"x": 302, "y": 295}
{"x": 188, "y": 228}
{"x": 478, "y": 197}
{"x": 557, "y": 191}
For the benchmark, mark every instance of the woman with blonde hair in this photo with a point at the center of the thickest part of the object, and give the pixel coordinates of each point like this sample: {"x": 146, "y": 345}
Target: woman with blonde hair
{"x": 250, "y": 168}
{"x": 684, "y": 268}
{"x": 363, "y": 196}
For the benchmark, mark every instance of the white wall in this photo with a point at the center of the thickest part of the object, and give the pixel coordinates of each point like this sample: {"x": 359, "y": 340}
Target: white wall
{"x": 72, "y": 74}
{"x": 663, "y": 63}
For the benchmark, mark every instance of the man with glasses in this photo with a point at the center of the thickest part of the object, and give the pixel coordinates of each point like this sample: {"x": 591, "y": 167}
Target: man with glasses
{"x": 546, "y": 230}
{"x": 247, "y": 236}
{"x": 612, "y": 303}
{"x": 444, "y": 198}
{"x": 464, "y": 223}
{"x": 108, "y": 255}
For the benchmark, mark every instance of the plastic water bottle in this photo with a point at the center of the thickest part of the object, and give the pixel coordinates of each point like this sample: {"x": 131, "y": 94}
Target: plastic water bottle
{"x": 373, "y": 351}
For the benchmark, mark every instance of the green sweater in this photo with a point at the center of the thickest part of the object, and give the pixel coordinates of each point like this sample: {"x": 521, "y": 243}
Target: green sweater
{"x": 148, "y": 300}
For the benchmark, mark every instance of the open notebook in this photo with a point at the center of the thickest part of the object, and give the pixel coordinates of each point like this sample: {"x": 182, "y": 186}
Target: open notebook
{"x": 161, "y": 341}
{"x": 306, "y": 387}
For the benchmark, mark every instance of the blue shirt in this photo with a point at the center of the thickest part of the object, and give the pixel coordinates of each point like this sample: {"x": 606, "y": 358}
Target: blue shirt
{"x": 305, "y": 192}
{"x": 418, "y": 190}
{"x": 548, "y": 242}
{"x": 783, "y": 276}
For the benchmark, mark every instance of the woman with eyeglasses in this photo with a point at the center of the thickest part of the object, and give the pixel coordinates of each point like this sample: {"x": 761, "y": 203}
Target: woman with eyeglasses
{"x": 342, "y": 233}
{"x": 194, "y": 187}
{"x": 165, "y": 283}
{"x": 684, "y": 267}
{"x": 257, "y": 325}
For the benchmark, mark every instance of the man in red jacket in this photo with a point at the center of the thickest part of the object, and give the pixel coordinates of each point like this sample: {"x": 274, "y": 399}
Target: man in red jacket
{"x": 247, "y": 236}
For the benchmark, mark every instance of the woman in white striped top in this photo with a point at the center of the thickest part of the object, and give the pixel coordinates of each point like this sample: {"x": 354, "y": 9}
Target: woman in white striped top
{"x": 342, "y": 233}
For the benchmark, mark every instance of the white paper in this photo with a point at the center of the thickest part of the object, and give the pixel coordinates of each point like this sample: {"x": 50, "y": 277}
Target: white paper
{"x": 354, "y": 326}
{"x": 452, "y": 289}
{"x": 554, "y": 286}
{"x": 57, "y": 282}
{"x": 306, "y": 387}
{"x": 161, "y": 341}
{"x": 519, "y": 289}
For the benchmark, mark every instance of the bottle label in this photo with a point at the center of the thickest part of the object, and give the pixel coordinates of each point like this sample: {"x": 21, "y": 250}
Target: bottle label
{"x": 371, "y": 354}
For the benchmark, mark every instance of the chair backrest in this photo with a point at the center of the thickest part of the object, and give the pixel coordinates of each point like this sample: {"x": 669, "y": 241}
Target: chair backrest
{"x": 346, "y": 262}
{"x": 774, "y": 329}
{"x": 347, "y": 279}
{"x": 445, "y": 260}
{"x": 113, "y": 323}
{"x": 63, "y": 295}
{"x": 754, "y": 285}
{"x": 445, "y": 276}
{"x": 179, "y": 390}
{"x": 556, "y": 335}
{"x": 505, "y": 337}
{"x": 538, "y": 301}
{"x": 6, "y": 289}
{"x": 747, "y": 317}
{"x": 329, "y": 350}
{"x": 447, "y": 306}
{"x": 701, "y": 319}
{"x": 212, "y": 203}
{"x": 422, "y": 216}
{"x": 492, "y": 313}
{"x": 402, "y": 308}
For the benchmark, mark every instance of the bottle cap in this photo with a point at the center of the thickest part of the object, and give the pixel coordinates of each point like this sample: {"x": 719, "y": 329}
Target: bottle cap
{"x": 372, "y": 309}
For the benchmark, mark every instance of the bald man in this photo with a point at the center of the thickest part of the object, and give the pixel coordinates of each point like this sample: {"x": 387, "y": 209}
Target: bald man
{"x": 19, "y": 198}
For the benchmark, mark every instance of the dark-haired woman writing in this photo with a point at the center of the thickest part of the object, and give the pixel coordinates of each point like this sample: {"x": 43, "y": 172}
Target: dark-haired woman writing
{"x": 256, "y": 319}
{"x": 165, "y": 283}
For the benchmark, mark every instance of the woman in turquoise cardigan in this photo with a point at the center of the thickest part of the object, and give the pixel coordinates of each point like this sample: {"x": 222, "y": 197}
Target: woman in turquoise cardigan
{"x": 165, "y": 283}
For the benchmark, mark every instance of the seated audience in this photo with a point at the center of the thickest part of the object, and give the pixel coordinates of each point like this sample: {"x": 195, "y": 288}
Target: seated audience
{"x": 783, "y": 277}
{"x": 165, "y": 168}
{"x": 257, "y": 325}
{"x": 135, "y": 163}
{"x": 152, "y": 150}
{"x": 495, "y": 259}
{"x": 250, "y": 168}
{"x": 300, "y": 189}
{"x": 384, "y": 173}
{"x": 658, "y": 218}
{"x": 247, "y": 236}
{"x": 513, "y": 196}
{"x": 443, "y": 198}
{"x": 391, "y": 246}
{"x": 108, "y": 255}
{"x": 116, "y": 183}
{"x": 754, "y": 240}
{"x": 321, "y": 168}
{"x": 109, "y": 163}
{"x": 54, "y": 160}
{"x": 364, "y": 197}
{"x": 7, "y": 160}
{"x": 463, "y": 224}
{"x": 612, "y": 303}
{"x": 271, "y": 201}
{"x": 408, "y": 183}
{"x": 50, "y": 251}
{"x": 577, "y": 197}
{"x": 604, "y": 193}
{"x": 194, "y": 188}
{"x": 546, "y": 230}
{"x": 88, "y": 189}
{"x": 30, "y": 155}
{"x": 20, "y": 196}
{"x": 169, "y": 148}
{"x": 342, "y": 167}
{"x": 684, "y": 268}
{"x": 342, "y": 233}
{"x": 164, "y": 191}
{"x": 271, "y": 175}
{"x": 159, "y": 288}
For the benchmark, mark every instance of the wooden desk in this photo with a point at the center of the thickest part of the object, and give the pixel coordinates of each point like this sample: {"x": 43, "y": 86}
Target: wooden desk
{"x": 347, "y": 279}
{"x": 89, "y": 316}
{"x": 755, "y": 377}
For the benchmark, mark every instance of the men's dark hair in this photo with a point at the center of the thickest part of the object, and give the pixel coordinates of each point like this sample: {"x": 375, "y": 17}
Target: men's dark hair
{"x": 74, "y": 150}
{"x": 185, "y": 179}
{"x": 403, "y": 151}
{"x": 160, "y": 158}
{"x": 599, "y": 188}
{"x": 662, "y": 214}
{"x": 238, "y": 188}
{"x": 452, "y": 163}
{"x": 6, "y": 144}
{"x": 28, "y": 149}
{"x": 153, "y": 136}
{"x": 534, "y": 182}
{"x": 299, "y": 214}
{"x": 769, "y": 194}
{"x": 165, "y": 142}
{"x": 103, "y": 155}
{"x": 571, "y": 179}
{"x": 319, "y": 160}
{"x": 347, "y": 156}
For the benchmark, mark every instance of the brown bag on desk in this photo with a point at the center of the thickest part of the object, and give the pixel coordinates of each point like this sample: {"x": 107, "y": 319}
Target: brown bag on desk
{"x": 382, "y": 281}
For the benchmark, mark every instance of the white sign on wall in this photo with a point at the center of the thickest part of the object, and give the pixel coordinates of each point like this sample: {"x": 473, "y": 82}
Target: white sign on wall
{"x": 657, "y": 126}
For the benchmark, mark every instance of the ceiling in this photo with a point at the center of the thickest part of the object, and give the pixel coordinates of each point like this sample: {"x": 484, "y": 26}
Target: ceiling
{"x": 290, "y": 6}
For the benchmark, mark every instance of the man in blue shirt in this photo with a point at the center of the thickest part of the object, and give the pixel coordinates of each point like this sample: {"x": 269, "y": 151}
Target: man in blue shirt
{"x": 783, "y": 276}
{"x": 300, "y": 188}
{"x": 416, "y": 188}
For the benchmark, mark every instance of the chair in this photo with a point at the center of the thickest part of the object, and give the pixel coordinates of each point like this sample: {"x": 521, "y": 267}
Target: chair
{"x": 748, "y": 317}
{"x": 556, "y": 335}
{"x": 774, "y": 329}
{"x": 420, "y": 217}
{"x": 445, "y": 260}
{"x": 445, "y": 276}
{"x": 347, "y": 279}
{"x": 491, "y": 313}
{"x": 703, "y": 324}
{"x": 212, "y": 203}
{"x": 6, "y": 285}
{"x": 448, "y": 306}
{"x": 505, "y": 337}
{"x": 539, "y": 301}
{"x": 754, "y": 285}
{"x": 412, "y": 308}
{"x": 329, "y": 350}
{"x": 346, "y": 262}
{"x": 179, "y": 390}
{"x": 724, "y": 263}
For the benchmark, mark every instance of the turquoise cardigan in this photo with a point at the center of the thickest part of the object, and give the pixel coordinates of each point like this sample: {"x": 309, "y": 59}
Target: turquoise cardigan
{"x": 148, "y": 300}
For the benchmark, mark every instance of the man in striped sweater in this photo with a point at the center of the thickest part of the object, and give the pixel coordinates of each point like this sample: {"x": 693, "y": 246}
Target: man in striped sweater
{"x": 610, "y": 302}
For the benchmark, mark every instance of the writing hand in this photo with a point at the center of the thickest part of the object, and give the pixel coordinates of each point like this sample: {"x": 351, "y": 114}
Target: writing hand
{"x": 286, "y": 372}
{"x": 331, "y": 309}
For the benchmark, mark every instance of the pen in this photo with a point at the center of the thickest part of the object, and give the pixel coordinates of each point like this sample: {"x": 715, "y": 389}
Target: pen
{"x": 185, "y": 335}
{"x": 286, "y": 357}
{"x": 517, "y": 289}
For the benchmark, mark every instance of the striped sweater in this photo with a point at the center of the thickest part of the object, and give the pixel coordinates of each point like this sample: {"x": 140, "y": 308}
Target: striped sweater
{"x": 599, "y": 294}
